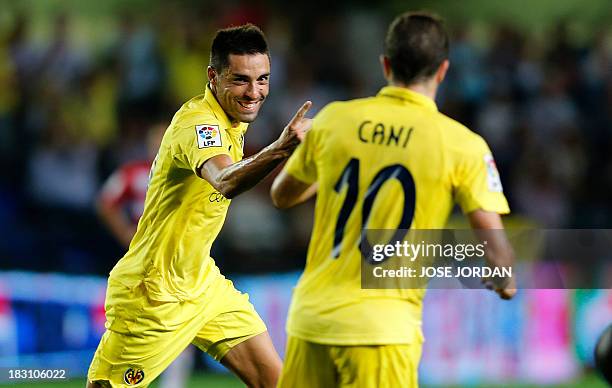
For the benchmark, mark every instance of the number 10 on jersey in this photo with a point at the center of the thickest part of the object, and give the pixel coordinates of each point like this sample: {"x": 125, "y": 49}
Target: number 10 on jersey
{"x": 350, "y": 178}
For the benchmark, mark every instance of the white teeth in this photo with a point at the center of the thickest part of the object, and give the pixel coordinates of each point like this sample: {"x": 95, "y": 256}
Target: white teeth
{"x": 248, "y": 106}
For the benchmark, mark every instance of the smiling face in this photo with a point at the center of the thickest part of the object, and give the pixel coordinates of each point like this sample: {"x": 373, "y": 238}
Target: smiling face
{"x": 242, "y": 86}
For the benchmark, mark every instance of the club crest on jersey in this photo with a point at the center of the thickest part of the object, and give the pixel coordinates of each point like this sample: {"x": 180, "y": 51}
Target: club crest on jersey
{"x": 133, "y": 376}
{"x": 493, "y": 181}
{"x": 208, "y": 136}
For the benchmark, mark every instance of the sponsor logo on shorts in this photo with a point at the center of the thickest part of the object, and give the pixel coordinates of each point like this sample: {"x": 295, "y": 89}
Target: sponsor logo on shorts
{"x": 133, "y": 376}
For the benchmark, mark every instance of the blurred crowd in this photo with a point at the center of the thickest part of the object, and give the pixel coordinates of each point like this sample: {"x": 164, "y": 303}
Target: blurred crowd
{"x": 70, "y": 115}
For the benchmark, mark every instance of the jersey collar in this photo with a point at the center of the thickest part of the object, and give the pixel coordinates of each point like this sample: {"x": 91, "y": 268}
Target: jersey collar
{"x": 408, "y": 96}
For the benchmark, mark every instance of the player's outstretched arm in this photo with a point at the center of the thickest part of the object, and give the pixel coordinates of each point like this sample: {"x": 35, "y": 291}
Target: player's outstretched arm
{"x": 231, "y": 179}
{"x": 488, "y": 227}
{"x": 287, "y": 191}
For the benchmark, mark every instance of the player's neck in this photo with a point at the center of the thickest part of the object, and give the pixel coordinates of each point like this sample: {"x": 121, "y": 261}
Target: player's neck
{"x": 427, "y": 88}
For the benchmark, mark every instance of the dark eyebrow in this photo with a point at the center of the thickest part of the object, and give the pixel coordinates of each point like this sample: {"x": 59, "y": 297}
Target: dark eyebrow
{"x": 240, "y": 76}
{"x": 246, "y": 77}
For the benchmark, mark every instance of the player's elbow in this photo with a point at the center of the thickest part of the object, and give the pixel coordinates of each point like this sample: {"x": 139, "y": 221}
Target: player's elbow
{"x": 279, "y": 200}
{"x": 226, "y": 185}
{"x": 104, "y": 209}
{"x": 227, "y": 191}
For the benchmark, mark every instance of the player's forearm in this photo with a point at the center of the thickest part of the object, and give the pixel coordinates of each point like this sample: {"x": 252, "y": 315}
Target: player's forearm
{"x": 241, "y": 176}
{"x": 287, "y": 191}
{"x": 231, "y": 179}
{"x": 489, "y": 229}
{"x": 498, "y": 251}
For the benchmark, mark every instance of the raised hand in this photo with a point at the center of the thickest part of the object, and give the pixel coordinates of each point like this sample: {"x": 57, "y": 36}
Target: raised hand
{"x": 296, "y": 129}
{"x": 300, "y": 124}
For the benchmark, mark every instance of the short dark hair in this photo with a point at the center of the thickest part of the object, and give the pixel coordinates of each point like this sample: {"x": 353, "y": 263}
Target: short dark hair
{"x": 416, "y": 45}
{"x": 241, "y": 40}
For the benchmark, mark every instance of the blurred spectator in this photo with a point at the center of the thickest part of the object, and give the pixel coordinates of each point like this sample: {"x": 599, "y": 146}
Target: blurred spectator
{"x": 24, "y": 57}
{"x": 61, "y": 66}
{"x": 62, "y": 169}
{"x": 121, "y": 201}
{"x": 552, "y": 109}
{"x": 140, "y": 69}
{"x": 466, "y": 84}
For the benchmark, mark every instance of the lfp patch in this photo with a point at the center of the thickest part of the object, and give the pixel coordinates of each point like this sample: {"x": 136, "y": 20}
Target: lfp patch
{"x": 493, "y": 180}
{"x": 133, "y": 376}
{"x": 208, "y": 136}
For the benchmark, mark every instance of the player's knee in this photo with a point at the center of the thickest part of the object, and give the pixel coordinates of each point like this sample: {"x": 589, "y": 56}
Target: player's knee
{"x": 263, "y": 375}
{"x": 264, "y": 381}
{"x": 269, "y": 376}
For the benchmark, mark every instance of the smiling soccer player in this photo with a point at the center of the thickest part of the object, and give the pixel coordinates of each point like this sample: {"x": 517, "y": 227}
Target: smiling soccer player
{"x": 167, "y": 292}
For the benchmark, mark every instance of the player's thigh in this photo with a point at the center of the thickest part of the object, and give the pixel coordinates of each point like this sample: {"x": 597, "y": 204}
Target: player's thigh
{"x": 128, "y": 360}
{"x": 234, "y": 322}
{"x": 139, "y": 345}
{"x": 307, "y": 364}
{"x": 255, "y": 361}
{"x": 383, "y": 366}
{"x": 237, "y": 336}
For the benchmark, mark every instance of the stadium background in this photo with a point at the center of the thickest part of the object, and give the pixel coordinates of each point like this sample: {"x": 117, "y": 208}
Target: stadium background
{"x": 81, "y": 81}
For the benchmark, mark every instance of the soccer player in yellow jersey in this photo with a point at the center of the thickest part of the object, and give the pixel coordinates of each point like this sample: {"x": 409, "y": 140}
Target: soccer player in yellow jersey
{"x": 387, "y": 162}
{"x": 167, "y": 292}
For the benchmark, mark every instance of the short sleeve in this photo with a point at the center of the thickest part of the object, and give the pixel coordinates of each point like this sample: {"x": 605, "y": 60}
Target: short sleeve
{"x": 477, "y": 181}
{"x": 301, "y": 164}
{"x": 199, "y": 142}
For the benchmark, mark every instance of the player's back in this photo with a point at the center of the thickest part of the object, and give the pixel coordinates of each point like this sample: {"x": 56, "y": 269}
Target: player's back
{"x": 387, "y": 162}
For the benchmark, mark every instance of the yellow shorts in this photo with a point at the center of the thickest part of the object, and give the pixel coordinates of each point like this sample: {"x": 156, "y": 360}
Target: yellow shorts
{"x": 312, "y": 365}
{"x": 144, "y": 336}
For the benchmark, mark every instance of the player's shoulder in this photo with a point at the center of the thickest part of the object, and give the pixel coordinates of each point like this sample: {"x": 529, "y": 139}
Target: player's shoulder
{"x": 343, "y": 110}
{"x": 458, "y": 135}
{"x": 193, "y": 112}
{"x": 348, "y": 106}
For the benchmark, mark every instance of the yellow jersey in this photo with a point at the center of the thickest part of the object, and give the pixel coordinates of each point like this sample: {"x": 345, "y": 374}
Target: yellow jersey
{"x": 183, "y": 213}
{"x": 386, "y": 162}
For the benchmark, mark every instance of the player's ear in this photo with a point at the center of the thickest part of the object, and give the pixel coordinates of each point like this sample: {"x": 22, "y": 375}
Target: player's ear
{"x": 212, "y": 75}
{"x": 386, "y": 66}
{"x": 442, "y": 69}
